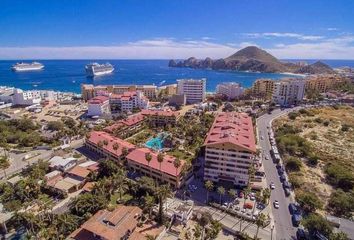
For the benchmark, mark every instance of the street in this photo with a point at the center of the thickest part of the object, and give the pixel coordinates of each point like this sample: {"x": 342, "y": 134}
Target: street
{"x": 282, "y": 218}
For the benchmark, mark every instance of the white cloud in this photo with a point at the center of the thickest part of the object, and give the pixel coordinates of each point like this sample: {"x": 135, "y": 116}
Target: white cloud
{"x": 283, "y": 35}
{"x": 341, "y": 47}
{"x": 207, "y": 38}
{"x": 162, "y": 48}
{"x": 332, "y": 29}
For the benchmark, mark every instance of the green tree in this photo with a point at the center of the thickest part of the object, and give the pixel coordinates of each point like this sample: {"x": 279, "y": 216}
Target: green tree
{"x": 209, "y": 186}
{"x": 260, "y": 222}
{"x": 232, "y": 193}
{"x": 160, "y": 158}
{"x": 221, "y": 192}
{"x": 338, "y": 236}
{"x": 197, "y": 231}
{"x": 149, "y": 202}
{"x": 266, "y": 195}
{"x": 214, "y": 230}
{"x": 177, "y": 163}
{"x": 315, "y": 222}
{"x": 87, "y": 204}
{"x": 293, "y": 164}
{"x": 148, "y": 158}
{"x": 115, "y": 147}
{"x": 4, "y": 164}
{"x": 309, "y": 201}
{"x": 341, "y": 203}
{"x": 163, "y": 192}
{"x": 108, "y": 168}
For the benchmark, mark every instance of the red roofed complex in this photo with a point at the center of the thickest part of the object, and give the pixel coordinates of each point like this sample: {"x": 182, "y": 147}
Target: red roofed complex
{"x": 129, "y": 100}
{"x": 119, "y": 224}
{"x": 127, "y": 127}
{"x": 160, "y": 118}
{"x": 98, "y": 106}
{"x": 230, "y": 148}
{"x": 105, "y": 144}
{"x": 169, "y": 173}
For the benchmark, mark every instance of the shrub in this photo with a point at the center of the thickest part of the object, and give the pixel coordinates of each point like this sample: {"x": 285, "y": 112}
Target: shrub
{"x": 296, "y": 180}
{"x": 309, "y": 201}
{"x": 318, "y": 120}
{"x": 312, "y": 159}
{"x": 340, "y": 176}
{"x": 293, "y": 115}
{"x": 326, "y": 123}
{"x": 293, "y": 164}
{"x": 316, "y": 223}
{"x": 345, "y": 128}
{"x": 341, "y": 203}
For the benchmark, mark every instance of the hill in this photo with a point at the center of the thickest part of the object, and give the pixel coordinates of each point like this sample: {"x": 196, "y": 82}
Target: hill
{"x": 252, "y": 59}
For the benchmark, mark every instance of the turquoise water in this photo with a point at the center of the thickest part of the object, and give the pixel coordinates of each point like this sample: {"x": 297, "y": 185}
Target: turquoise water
{"x": 156, "y": 143}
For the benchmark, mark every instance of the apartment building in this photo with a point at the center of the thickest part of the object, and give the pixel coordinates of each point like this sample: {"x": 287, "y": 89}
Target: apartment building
{"x": 230, "y": 149}
{"x": 98, "y": 106}
{"x": 324, "y": 83}
{"x": 231, "y": 90}
{"x": 166, "y": 173}
{"x": 89, "y": 91}
{"x": 160, "y": 118}
{"x": 127, "y": 127}
{"x": 263, "y": 89}
{"x": 128, "y": 101}
{"x": 105, "y": 144}
{"x": 289, "y": 91}
{"x": 121, "y": 223}
{"x": 194, "y": 89}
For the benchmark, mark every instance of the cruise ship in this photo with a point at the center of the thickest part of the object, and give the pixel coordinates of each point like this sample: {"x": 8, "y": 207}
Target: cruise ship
{"x": 95, "y": 69}
{"x": 21, "y": 67}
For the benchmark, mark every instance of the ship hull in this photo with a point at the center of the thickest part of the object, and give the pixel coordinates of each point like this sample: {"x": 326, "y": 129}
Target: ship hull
{"x": 100, "y": 73}
{"x": 17, "y": 69}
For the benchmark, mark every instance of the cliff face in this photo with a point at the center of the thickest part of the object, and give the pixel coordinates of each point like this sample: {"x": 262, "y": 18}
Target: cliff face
{"x": 252, "y": 59}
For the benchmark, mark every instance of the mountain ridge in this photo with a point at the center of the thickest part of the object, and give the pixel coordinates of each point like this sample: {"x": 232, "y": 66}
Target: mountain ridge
{"x": 252, "y": 59}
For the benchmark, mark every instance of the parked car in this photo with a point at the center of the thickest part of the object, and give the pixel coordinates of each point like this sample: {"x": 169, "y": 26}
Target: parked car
{"x": 276, "y": 204}
{"x": 293, "y": 208}
{"x": 286, "y": 185}
{"x": 282, "y": 178}
{"x": 296, "y": 219}
{"x": 287, "y": 192}
{"x": 272, "y": 185}
{"x": 301, "y": 234}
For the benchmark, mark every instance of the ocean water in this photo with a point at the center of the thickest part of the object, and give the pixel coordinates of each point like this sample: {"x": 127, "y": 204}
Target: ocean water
{"x": 68, "y": 75}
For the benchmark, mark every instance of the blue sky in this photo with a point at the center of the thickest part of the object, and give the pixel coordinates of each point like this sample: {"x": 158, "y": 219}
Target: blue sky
{"x": 318, "y": 29}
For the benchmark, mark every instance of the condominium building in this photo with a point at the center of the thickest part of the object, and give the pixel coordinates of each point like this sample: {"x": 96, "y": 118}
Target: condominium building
{"x": 194, "y": 89}
{"x": 89, "y": 91}
{"x": 324, "y": 83}
{"x": 289, "y": 91}
{"x": 231, "y": 90}
{"x": 230, "y": 149}
{"x": 263, "y": 89}
{"x": 107, "y": 145}
{"x": 165, "y": 173}
{"x": 128, "y": 101}
{"x": 127, "y": 127}
{"x": 98, "y": 106}
{"x": 160, "y": 118}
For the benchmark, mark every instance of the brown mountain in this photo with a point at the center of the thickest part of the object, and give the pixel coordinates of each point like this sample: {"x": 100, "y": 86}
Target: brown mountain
{"x": 252, "y": 59}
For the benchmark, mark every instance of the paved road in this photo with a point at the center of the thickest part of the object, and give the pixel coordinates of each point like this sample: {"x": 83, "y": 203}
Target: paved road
{"x": 282, "y": 217}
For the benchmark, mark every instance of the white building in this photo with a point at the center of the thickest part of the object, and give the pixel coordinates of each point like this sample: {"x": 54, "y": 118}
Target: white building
{"x": 194, "y": 89}
{"x": 98, "y": 106}
{"x": 62, "y": 164}
{"x": 288, "y": 91}
{"x": 26, "y": 98}
{"x": 127, "y": 101}
{"x": 231, "y": 90}
{"x": 230, "y": 149}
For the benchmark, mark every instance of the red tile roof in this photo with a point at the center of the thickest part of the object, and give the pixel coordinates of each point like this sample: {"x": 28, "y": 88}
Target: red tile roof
{"x": 80, "y": 171}
{"x": 167, "y": 166}
{"x": 109, "y": 225}
{"x": 88, "y": 186}
{"x": 159, "y": 112}
{"x": 97, "y": 136}
{"x": 98, "y": 100}
{"x": 232, "y": 127}
{"x": 130, "y": 121}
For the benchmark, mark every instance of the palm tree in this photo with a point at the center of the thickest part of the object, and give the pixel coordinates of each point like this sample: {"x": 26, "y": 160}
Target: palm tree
{"x": 105, "y": 142}
{"x": 177, "y": 163}
{"x": 162, "y": 192}
{"x": 160, "y": 158}
{"x": 221, "y": 191}
{"x": 260, "y": 222}
{"x": 266, "y": 195}
{"x": 4, "y": 163}
{"x": 251, "y": 173}
{"x": 149, "y": 202}
{"x": 115, "y": 147}
{"x": 148, "y": 158}
{"x": 124, "y": 152}
{"x": 232, "y": 193}
{"x": 100, "y": 144}
{"x": 209, "y": 186}
{"x": 197, "y": 231}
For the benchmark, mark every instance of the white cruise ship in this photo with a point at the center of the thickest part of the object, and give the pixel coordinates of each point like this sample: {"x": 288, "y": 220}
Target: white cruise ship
{"x": 21, "y": 67}
{"x": 95, "y": 69}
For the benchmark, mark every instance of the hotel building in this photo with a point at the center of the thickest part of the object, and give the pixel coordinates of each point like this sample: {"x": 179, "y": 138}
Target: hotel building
{"x": 98, "y": 106}
{"x": 263, "y": 89}
{"x": 324, "y": 83}
{"x": 160, "y": 118}
{"x": 127, "y": 127}
{"x": 231, "y": 90}
{"x": 230, "y": 149}
{"x": 128, "y": 101}
{"x": 289, "y": 91}
{"x": 89, "y": 91}
{"x": 194, "y": 89}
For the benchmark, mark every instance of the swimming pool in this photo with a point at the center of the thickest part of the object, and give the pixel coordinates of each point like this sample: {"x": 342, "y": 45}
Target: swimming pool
{"x": 156, "y": 143}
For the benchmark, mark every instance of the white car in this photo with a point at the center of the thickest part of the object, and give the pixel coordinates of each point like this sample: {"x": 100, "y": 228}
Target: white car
{"x": 276, "y": 204}
{"x": 272, "y": 186}
{"x": 266, "y": 157}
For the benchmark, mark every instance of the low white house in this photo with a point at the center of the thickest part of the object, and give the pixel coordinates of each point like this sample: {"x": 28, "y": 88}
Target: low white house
{"x": 62, "y": 164}
{"x": 98, "y": 106}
